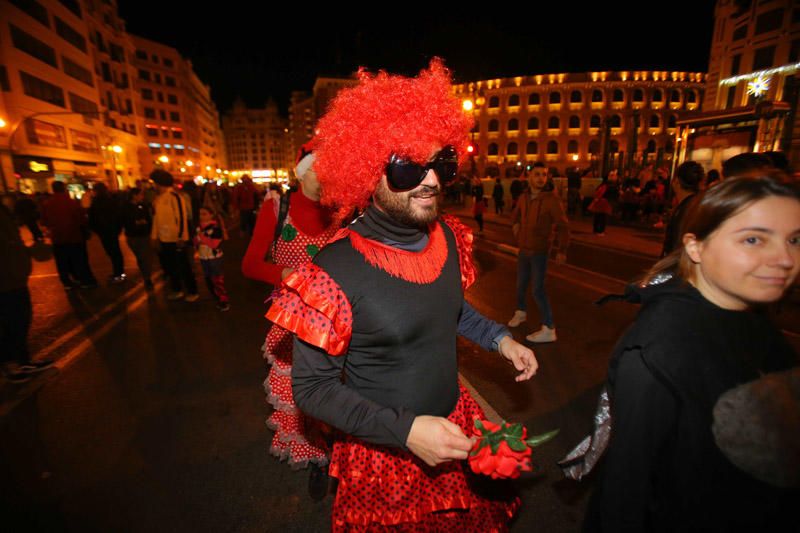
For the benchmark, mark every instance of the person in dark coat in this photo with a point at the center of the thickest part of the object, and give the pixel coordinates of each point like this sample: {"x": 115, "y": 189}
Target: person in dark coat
{"x": 106, "y": 221}
{"x": 137, "y": 219}
{"x": 27, "y": 213}
{"x": 686, "y": 184}
{"x": 497, "y": 194}
{"x": 66, "y": 220}
{"x": 700, "y": 332}
{"x": 16, "y": 311}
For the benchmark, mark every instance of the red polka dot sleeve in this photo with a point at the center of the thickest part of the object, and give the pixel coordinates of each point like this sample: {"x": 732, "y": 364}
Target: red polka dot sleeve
{"x": 312, "y": 306}
{"x": 464, "y": 240}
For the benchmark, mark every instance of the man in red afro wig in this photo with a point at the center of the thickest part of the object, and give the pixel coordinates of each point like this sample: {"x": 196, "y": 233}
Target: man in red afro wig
{"x": 385, "y": 115}
{"x": 377, "y": 312}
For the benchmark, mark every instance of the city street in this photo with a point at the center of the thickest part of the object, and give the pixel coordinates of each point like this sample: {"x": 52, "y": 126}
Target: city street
{"x": 154, "y": 418}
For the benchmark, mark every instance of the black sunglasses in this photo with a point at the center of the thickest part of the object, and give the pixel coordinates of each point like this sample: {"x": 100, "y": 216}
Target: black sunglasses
{"x": 404, "y": 175}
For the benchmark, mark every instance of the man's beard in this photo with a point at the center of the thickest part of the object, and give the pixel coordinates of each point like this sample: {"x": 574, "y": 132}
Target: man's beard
{"x": 398, "y": 205}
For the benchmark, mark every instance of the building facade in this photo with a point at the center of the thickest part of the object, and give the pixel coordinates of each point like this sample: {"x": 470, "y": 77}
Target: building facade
{"x": 601, "y": 120}
{"x": 178, "y": 119}
{"x": 752, "y": 91}
{"x": 257, "y": 141}
{"x": 73, "y": 106}
{"x": 306, "y": 108}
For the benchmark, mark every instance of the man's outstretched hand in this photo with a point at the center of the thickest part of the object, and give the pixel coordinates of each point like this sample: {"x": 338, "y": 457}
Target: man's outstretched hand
{"x": 436, "y": 440}
{"x": 520, "y": 356}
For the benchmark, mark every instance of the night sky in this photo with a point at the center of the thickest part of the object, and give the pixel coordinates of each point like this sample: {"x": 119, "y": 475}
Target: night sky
{"x": 262, "y": 54}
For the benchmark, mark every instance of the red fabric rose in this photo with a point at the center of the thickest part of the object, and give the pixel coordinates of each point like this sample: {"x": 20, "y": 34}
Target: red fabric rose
{"x": 501, "y": 451}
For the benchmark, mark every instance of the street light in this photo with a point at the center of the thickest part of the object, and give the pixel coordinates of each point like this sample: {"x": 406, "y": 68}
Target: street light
{"x": 3, "y": 123}
{"x": 189, "y": 163}
{"x": 164, "y": 159}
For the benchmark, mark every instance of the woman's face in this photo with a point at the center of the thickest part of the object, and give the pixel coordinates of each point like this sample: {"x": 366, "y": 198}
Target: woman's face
{"x": 753, "y": 257}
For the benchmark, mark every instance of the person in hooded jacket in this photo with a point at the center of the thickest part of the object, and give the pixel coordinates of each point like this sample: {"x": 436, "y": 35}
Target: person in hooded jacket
{"x": 701, "y": 331}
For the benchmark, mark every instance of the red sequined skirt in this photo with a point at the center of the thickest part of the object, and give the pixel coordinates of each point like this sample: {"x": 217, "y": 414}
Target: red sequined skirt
{"x": 298, "y": 439}
{"x": 387, "y": 489}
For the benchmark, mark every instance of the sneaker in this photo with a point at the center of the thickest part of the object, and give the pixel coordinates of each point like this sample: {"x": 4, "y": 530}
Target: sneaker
{"x": 117, "y": 279}
{"x": 192, "y": 297}
{"x": 175, "y": 295}
{"x": 544, "y": 334}
{"x": 225, "y": 306}
{"x": 518, "y": 318}
{"x": 318, "y": 482}
{"x": 36, "y": 366}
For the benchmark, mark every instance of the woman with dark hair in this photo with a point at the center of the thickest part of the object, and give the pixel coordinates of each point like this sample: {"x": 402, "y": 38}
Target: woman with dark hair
{"x": 701, "y": 331}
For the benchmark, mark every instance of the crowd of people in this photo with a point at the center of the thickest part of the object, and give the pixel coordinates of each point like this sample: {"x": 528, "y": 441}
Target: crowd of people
{"x": 370, "y": 280}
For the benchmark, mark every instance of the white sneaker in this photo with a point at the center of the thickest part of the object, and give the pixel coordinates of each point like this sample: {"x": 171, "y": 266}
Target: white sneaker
{"x": 175, "y": 295}
{"x": 545, "y": 334}
{"x": 518, "y": 318}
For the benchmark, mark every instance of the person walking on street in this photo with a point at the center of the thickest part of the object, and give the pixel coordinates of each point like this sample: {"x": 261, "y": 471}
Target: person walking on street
{"x": 170, "y": 235}
{"x": 538, "y": 211}
{"x": 377, "y": 313}
{"x": 105, "y": 220}
{"x": 497, "y": 194}
{"x": 244, "y": 199}
{"x": 208, "y": 240}
{"x": 16, "y": 311}
{"x": 573, "y": 191}
{"x": 69, "y": 228}
{"x": 601, "y": 206}
{"x": 477, "y": 212}
{"x": 138, "y": 223}
{"x": 686, "y": 184}
{"x": 27, "y": 212}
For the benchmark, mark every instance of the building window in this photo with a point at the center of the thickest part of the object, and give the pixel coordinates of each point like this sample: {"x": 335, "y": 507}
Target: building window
{"x": 594, "y": 121}
{"x": 162, "y": 114}
{"x": 34, "y": 9}
{"x": 654, "y": 121}
{"x": 553, "y": 123}
{"x": 33, "y": 46}
{"x": 658, "y": 96}
{"x": 165, "y": 133}
{"x": 493, "y": 149}
{"x": 675, "y": 97}
{"x": 574, "y": 122}
{"x": 740, "y": 33}
{"x": 613, "y": 146}
{"x": 123, "y": 82}
{"x": 42, "y": 90}
{"x": 177, "y": 134}
{"x": 512, "y": 149}
{"x": 534, "y": 99}
{"x": 128, "y": 106}
{"x": 532, "y": 148}
{"x": 76, "y": 71}
{"x": 147, "y": 94}
{"x": 157, "y": 77}
{"x": 769, "y": 21}
{"x": 638, "y": 95}
{"x": 763, "y": 58}
{"x": 615, "y": 121}
{"x": 141, "y": 54}
{"x": 731, "y": 100}
{"x": 82, "y": 105}
{"x": 4, "y": 85}
{"x": 154, "y": 59}
{"x": 174, "y": 116}
{"x": 106, "y": 70}
{"x": 513, "y": 125}
{"x": 117, "y": 53}
{"x": 70, "y": 34}
{"x": 671, "y": 122}
{"x": 160, "y": 96}
{"x": 494, "y": 101}
{"x": 513, "y": 100}
{"x": 555, "y": 97}
{"x": 618, "y": 96}
{"x": 552, "y": 147}
{"x": 597, "y": 95}
{"x": 152, "y": 132}
{"x": 736, "y": 63}
{"x": 168, "y": 63}
{"x": 594, "y": 147}
{"x": 149, "y": 112}
{"x": 533, "y": 123}
{"x": 172, "y": 99}
{"x": 170, "y": 81}
{"x": 572, "y": 147}
{"x": 144, "y": 74}
{"x": 794, "y": 51}
{"x": 72, "y": 5}
{"x": 575, "y": 97}
{"x": 691, "y": 97}
{"x": 494, "y": 125}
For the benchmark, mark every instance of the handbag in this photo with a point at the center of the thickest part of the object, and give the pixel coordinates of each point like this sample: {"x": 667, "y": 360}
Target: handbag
{"x": 584, "y": 457}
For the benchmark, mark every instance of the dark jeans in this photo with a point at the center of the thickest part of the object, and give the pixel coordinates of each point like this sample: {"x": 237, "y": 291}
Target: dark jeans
{"x": 247, "y": 221}
{"x": 16, "y": 314}
{"x": 110, "y": 244}
{"x": 72, "y": 262}
{"x": 498, "y": 205}
{"x": 215, "y": 278}
{"x": 177, "y": 267}
{"x": 599, "y": 222}
{"x": 533, "y": 268}
{"x": 479, "y": 219}
{"x": 140, "y": 246}
{"x": 573, "y": 200}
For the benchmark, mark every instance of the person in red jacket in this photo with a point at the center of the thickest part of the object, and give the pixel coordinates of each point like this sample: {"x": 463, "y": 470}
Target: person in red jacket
{"x": 68, "y": 225}
{"x": 244, "y": 199}
{"x": 304, "y": 231}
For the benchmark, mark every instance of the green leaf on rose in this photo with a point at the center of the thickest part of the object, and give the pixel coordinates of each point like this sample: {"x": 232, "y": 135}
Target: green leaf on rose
{"x": 515, "y": 431}
{"x": 516, "y": 445}
{"x": 479, "y": 425}
{"x": 541, "y": 439}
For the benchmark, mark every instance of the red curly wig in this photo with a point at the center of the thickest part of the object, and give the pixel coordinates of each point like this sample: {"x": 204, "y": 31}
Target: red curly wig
{"x": 384, "y": 115}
